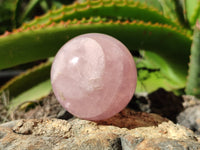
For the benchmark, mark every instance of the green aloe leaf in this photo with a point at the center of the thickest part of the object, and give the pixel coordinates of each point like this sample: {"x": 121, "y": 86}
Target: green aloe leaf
{"x": 31, "y": 85}
{"x": 17, "y": 12}
{"x": 33, "y": 94}
{"x": 153, "y": 3}
{"x": 192, "y": 11}
{"x": 181, "y": 13}
{"x": 31, "y": 5}
{"x": 169, "y": 9}
{"x": 44, "y": 42}
{"x": 6, "y": 15}
{"x": 193, "y": 82}
{"x": 111, "y": 9}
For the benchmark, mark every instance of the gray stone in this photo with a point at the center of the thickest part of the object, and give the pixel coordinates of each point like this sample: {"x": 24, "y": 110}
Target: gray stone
{"x": 130, "y": 142}
{"x": 167, "y": 144}
{"x": 9, "y": 124}
{"x": 190, "y": 118}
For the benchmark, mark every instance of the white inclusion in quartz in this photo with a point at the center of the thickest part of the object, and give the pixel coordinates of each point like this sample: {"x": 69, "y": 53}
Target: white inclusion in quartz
{"x": 74, "y": 60}
{"x": 67, "y": 104}
{"x": 94, "y": 65}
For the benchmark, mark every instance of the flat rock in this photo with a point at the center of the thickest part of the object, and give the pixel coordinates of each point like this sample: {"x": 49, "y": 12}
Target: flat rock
{"x": 80, "y": 134}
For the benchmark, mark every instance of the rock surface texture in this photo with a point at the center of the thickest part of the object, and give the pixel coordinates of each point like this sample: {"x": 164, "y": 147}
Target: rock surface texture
{"x": 80, "y": 134}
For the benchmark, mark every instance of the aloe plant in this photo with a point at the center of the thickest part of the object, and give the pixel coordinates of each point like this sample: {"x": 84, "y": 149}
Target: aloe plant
{"x": 160, "y": 30}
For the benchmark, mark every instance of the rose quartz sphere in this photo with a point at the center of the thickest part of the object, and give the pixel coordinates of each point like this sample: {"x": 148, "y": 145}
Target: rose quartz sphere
{"x": 93, "y": 76}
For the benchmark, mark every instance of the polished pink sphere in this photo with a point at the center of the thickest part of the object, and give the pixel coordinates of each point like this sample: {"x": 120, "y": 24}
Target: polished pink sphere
{"x": 93, "y": 76}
